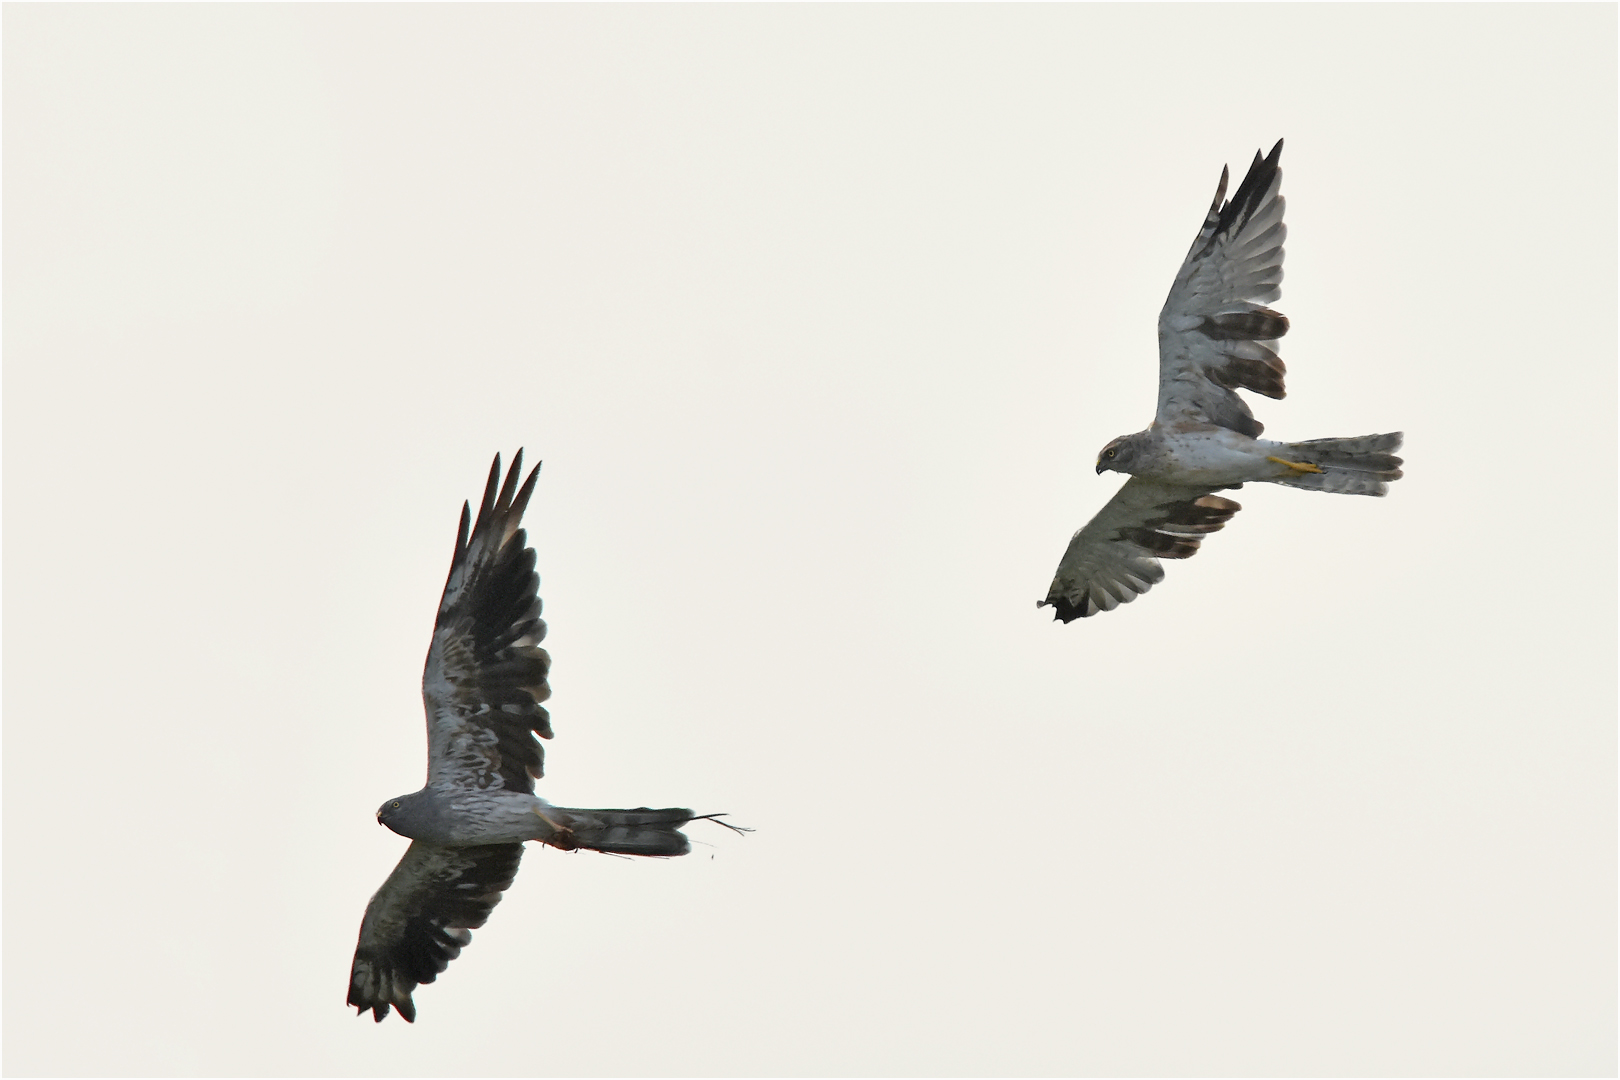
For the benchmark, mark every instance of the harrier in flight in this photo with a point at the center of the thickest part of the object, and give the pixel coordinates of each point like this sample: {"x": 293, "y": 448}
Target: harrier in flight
{"x": 483, "y": 685}
{"x": 1216, "y": 336}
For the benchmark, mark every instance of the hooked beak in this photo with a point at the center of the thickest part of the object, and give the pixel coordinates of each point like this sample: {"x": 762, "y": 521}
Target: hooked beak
{"x": 1100, "y": 467}
{"x": 379, "y": 817}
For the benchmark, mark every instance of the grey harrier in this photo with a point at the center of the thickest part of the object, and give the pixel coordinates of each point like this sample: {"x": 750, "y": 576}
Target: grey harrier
{"x": 483, "y": 685}
{"x": 1215, "y": 337}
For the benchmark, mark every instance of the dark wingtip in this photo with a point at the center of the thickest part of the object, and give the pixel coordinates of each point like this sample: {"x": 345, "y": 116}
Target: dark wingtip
{"x": 490, "y": 487}
{"x": 521, "y": 502}
{"x": 1220, "y": 192}
{"x": 517, "y": 462}
{"x": 361, "y": 1008}
{"x": 1245, "y": 200}
{"x": 509, "y": 489}
{"x": 1065, "y": 612}
{"x": 462, "y": 530}
{"x": 381, "y": 1009}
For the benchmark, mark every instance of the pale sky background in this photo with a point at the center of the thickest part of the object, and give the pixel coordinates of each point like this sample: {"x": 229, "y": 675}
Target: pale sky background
{"x": 818, "y": 317}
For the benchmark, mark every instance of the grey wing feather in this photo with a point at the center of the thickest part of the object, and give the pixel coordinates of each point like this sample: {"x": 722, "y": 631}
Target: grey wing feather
{"x": 486, "y": 674}
{"x": 1115, "y": 558}
{"x": 422, "y": 918}
{"x": 1215, "y": 334}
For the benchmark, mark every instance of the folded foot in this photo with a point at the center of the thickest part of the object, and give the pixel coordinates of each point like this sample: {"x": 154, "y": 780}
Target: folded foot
{"x": 564, "y": 836}
{"x": 1297, "y": 466}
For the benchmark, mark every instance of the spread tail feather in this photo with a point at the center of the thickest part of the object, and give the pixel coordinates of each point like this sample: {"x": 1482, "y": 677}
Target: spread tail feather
{"x": 1363, "y": 465}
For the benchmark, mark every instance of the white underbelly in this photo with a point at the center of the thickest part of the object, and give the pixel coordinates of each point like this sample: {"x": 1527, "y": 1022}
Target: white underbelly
{"x": 1215, "y": 457}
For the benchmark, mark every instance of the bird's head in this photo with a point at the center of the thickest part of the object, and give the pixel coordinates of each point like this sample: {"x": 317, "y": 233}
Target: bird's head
{"x": 1118, "y": 455}
{"x": 421, "y": 815}
{"x": 396, "y": 814}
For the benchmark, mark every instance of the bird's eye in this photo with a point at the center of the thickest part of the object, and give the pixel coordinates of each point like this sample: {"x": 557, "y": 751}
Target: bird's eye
{"x": 1110, "y": 452}
{"x": 396, "y": 804}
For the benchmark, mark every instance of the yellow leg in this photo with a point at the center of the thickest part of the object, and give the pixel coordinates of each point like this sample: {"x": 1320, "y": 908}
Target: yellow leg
{"x": 541, "y": 814}
{"x": 1297, "y": 466}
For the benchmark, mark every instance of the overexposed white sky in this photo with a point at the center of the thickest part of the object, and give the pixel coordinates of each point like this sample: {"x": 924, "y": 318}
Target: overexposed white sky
{"x": 818, "y": 316}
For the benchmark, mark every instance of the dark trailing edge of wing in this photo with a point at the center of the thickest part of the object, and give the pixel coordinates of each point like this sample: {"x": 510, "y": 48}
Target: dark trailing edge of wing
{"x": 455, "y": 893}
{"x": 1260, "y": 324}
{"x": 1258, "y": 369}
{"x": 501, "y": 597}
{"x": 1177, "y": 533}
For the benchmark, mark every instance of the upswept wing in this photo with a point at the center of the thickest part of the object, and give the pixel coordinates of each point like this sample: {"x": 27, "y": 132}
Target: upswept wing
{"x": 421, "y": 919}
{"x": 1215, "y": 334}
{"x": 1115, "y": 558}
{"x": 486, "y": 674}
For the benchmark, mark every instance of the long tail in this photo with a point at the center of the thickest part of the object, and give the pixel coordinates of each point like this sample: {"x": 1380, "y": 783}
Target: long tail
{"x": 642, "y": 831}
{"x": 1364, "y": 465}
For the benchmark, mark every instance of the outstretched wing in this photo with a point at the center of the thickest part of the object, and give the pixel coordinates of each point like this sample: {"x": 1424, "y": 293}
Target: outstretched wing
{"x": 421, "y": 919}
{"x": 1215, "y": 334}
{"x": 1115, "y": 558}
{"x": 486, "y": 674}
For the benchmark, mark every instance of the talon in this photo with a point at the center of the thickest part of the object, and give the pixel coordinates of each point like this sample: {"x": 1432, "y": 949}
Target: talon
{"x": 1297, "y": 466}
